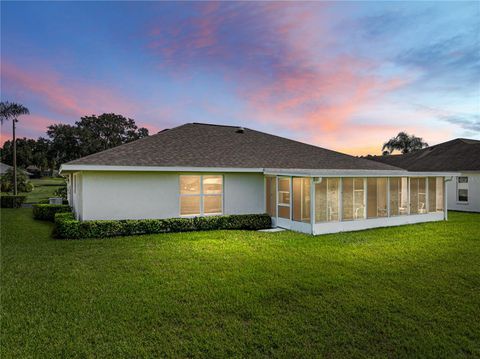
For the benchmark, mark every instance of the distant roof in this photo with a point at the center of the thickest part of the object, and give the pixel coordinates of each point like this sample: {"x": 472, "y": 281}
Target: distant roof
{"x": 460, "y": 154}
{"x": 4, "y": 168}
{"x": 206, "y": 145}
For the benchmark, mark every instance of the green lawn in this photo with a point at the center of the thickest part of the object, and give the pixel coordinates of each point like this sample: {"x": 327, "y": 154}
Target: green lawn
{"x": 411, "y": 291}
{"x": 43, "y": 188}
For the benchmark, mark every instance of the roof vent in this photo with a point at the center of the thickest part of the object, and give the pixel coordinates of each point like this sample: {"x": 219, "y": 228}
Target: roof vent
{"x": 240, "y": 130}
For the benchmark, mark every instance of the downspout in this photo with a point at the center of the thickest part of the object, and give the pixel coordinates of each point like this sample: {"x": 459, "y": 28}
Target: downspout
{"x": 445, "y": 208}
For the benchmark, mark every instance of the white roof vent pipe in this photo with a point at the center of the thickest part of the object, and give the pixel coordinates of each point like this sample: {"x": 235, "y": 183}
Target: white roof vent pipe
{"x": 240, "y": 130}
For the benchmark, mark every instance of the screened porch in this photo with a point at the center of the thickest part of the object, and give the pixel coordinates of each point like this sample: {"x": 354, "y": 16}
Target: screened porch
{"x": 332, "y": 204}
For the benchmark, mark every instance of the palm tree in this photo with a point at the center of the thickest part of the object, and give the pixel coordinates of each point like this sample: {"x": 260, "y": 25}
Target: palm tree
{"x": 11, "y": 111}
{"x": 404, "y": 143}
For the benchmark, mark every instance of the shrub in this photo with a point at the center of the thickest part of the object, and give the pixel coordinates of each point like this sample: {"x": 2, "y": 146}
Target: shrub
{"x": 11, "y": 201}
{"x": 61, "y": 192}
{"x": 23, "y": 185}
{"x": 66, "y": 226}
{"x": 46, "y": 212}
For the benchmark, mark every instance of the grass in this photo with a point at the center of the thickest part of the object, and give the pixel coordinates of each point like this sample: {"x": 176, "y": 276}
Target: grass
{"x": 411, "y": 291}
{"x": 44, "y": 188}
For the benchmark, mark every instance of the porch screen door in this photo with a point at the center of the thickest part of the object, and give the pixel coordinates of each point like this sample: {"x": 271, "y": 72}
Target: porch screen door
{"x": 284, "y": 197}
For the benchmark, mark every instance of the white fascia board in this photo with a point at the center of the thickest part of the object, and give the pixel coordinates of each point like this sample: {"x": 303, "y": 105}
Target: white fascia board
{"x": 469, "y": 173}
{"x": 353, "y": 173}
{"x": 334, "y": 173}
{"x": 74, "y": 168}
{"x": 433, "y": 174}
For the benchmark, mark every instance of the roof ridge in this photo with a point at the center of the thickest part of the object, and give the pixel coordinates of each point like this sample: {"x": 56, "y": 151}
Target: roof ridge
{"x": 212, "y": 124}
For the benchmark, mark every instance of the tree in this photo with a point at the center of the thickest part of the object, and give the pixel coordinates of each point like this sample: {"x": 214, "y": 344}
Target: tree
{"x": 98, "y": 133}
{"x": 92, "y": 134}
{"x": 65, "y": 143}
{"x": 68, "y": 142}
{"x": 404, "y": 143}
{"x": 42, "y": 156}
{"x": 30, "y": 152}
{"x": 11, "y": 111}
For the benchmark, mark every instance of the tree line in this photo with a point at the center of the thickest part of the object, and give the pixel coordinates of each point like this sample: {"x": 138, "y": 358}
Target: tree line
{"x": 65, "y": 143}
{"x": 93, "y": 134}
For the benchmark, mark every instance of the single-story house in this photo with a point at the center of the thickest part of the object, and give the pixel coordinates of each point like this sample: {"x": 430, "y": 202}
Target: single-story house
{"x": 202, "y": 169}
{"x": 4, "y": 168}
{"x": 458, "y": 155}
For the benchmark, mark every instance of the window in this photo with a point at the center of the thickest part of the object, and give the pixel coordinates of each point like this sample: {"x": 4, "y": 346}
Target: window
{"x": 353, "y": 198}
{"x": 435, "y": 194}
{"x": 377, "y": 197}
{"x": 418, "y": 196}
{"x": 398, "y": 196}
{"x": 284, "y": 197}
{"x": 462, "y": 189}
{"x": 212, "y": 194}
{"x": 301, "y": 199}
{"x": 201, "y": 195}
{"x": 327, "y": 200}
{"x": 271, "y": 192}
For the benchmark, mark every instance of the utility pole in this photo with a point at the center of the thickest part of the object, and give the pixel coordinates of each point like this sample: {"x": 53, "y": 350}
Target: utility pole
{"x": 14, "y": 159}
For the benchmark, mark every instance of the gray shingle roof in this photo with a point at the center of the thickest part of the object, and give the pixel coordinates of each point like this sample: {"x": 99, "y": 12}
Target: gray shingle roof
{"x": 205, "y": 145}
{"x": 456, "y": 155}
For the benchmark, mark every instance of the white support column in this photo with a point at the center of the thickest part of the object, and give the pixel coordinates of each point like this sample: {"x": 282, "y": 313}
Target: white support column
{"x": 408, "y": 195}
{"x": 365, "y": 198}
{"x": 291, "y": 198}
{"x": 445, "y": 208}
{"x": 312, "y": 203}
{"x": 201, "y": 195}
{"x": 276, "y": 198}
{"x": 427, "y": 204}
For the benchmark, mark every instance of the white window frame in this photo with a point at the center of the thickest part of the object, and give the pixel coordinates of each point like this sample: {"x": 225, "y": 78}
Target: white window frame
{"x": 201, "y": 195}
{"x": 462, "y": 186}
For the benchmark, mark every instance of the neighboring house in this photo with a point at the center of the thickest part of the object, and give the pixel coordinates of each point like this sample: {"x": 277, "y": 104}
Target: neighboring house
{"x": 459, "y": 155}
{"x": 4, "y": 168}
{"x": 201, "y": 169}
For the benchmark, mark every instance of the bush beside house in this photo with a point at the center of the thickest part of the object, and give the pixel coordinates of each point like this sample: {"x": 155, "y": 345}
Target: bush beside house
{"x": 66, "y": 226}
{"x": 46, "y": 212}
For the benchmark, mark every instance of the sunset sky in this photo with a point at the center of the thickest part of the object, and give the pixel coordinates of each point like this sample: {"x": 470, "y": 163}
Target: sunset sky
{"x": 345, "y": 75}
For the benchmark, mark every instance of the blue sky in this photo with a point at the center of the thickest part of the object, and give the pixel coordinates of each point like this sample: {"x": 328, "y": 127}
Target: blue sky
{"x": 342, "y": 75}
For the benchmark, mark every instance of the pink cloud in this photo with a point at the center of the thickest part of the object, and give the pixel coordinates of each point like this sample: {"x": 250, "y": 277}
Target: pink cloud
{"x": 288, "y": 75}
{"x": 72, "y": 99}
{"x": 47, "y": 91}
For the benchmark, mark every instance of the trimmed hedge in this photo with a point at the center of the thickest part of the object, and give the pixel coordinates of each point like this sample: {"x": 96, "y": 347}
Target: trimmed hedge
{"x": 46, "y": 212}
{"x": 12, "y": 201}
{"x": 47, "y": 201}
{"x": 66, "y": 226}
